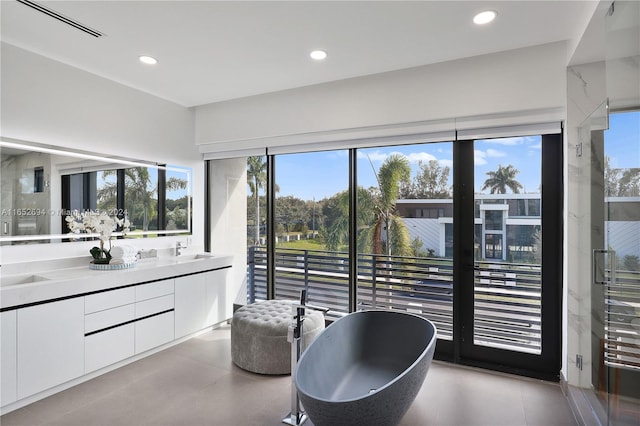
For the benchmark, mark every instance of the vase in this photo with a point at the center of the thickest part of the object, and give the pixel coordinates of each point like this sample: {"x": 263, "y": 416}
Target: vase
{"x": 100, "y": 255}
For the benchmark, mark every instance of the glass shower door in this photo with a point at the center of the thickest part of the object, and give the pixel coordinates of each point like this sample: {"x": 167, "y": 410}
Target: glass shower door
{"x": 615, "y": 296}
{"x": 618, "y": 268}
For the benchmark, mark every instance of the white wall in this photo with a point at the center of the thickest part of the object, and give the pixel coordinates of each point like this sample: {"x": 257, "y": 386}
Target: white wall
{"x": 229, "y": 219}
{"x": 45, "y": 101}
{"x": 523, "y": 79}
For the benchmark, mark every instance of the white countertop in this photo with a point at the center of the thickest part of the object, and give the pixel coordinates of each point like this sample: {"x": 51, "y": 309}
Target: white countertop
{"x": 40, "y": 285}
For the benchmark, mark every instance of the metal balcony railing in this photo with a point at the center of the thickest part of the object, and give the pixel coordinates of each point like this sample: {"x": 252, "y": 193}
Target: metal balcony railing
{"x": 507, "y": 296}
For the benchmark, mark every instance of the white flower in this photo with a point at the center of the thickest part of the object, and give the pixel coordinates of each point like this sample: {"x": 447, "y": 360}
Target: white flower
{"x": 95, "y": 222}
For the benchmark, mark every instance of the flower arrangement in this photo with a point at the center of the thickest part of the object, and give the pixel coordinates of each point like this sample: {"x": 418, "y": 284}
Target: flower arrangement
{"x": 96, "y": 222}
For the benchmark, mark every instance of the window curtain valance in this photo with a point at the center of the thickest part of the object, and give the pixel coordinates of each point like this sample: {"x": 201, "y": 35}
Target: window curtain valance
{"x": 523, "y": 123}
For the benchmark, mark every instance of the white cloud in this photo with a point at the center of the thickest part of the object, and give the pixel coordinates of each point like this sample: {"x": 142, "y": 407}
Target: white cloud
{"x": 414, "y": 157}
{"x": 374, "y": 156}
{"x": 342, "y": 153}
{"x": 479, "y": 157}
{"x": 493, "y": 153}
{"x": 446, "y": 163}
{"x": 505, "y": 141}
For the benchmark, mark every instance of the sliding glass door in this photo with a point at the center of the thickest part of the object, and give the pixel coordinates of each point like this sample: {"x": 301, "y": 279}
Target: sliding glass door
{"x": 615, "y": 291}
{"x": 509, "y": 307}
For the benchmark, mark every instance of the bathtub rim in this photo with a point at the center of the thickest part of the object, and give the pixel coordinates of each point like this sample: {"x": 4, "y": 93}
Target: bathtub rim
{"x": 424, "y": 353}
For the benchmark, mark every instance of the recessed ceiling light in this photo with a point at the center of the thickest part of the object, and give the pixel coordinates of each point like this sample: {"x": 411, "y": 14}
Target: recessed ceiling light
{"x": 318, "y": 55}
{"x": 485, "y": 17}
{"x": 148, "y": 60}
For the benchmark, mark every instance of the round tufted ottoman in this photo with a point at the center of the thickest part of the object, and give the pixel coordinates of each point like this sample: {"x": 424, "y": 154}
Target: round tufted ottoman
{"x": 259, "y": 336}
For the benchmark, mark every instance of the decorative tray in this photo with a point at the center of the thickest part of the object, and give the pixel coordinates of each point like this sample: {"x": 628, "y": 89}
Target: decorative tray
{"x": 111, "y": 267}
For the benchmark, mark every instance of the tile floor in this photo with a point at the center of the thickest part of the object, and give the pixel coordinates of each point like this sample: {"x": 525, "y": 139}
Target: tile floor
{"x": 195, "y": 383}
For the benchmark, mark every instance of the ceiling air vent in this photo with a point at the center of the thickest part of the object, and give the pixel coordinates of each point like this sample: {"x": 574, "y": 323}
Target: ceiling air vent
{"x": 61, "y": 18}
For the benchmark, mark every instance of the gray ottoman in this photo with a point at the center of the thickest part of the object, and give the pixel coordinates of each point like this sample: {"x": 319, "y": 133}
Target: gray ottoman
{"x": 259, "y": 336}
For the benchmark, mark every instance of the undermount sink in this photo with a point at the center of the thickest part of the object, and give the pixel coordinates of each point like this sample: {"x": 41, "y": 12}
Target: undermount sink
{"x": 10, "y": 280}
{"x": 187, "y": 257}
{"x": 183, "y": 258}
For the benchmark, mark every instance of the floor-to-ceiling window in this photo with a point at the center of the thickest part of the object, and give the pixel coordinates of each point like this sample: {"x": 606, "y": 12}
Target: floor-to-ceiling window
{"x": 256, "y": 228}
{"x": 469, "y": 260}
{"x": 311, "y": 228}
{"x": 405, "y": 231}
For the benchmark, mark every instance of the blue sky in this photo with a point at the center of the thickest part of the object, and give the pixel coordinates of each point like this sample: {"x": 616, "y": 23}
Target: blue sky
{"x": 622, "y": 140}
{"x": 322, "y": 174}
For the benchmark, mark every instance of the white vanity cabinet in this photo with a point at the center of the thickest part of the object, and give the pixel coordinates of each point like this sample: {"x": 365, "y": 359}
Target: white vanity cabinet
{"x": 50, "y": 345}
{"x": 219, "y": 302}
{"x": 59, "y": 332}
{"x": 191, "y": 303}
{"x": 8, "y": 358}
{"x": 202, "y": 300}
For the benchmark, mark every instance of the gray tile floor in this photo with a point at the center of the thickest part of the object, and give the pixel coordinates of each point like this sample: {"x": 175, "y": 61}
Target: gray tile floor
{"x": 195, "y": 383}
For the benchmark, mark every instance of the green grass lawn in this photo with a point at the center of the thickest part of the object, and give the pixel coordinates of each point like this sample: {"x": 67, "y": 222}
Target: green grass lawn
{"x": 303, "y": 245}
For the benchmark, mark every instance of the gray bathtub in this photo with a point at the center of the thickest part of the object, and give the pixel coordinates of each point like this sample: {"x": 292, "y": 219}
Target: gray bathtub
{"x": 365, "y": 369}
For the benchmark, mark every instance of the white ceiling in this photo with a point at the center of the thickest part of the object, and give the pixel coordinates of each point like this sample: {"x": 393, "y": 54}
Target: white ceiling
{"x": 210, "y": 51}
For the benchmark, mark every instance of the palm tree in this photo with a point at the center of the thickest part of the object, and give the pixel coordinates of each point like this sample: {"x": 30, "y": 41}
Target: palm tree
{"x": 140, "y": 194}
{"x": 376, "y": 213}
{"x": 140, "y": 200}
{"x": 256, "y": 178}
{"x": 338, "y": 233}
{"x": 501, "y": 179}
{"x": 394, "y": 171}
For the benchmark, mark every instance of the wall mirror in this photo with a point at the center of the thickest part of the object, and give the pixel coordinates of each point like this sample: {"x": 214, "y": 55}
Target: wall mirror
{"x": 41, "y": 184}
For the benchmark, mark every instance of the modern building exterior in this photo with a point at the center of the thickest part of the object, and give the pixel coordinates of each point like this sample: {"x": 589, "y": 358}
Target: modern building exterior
{"x": 506, "y": 225}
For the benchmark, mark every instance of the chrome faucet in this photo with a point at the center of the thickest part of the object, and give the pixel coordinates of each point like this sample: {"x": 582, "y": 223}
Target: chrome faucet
{"x": 179, "y": 248}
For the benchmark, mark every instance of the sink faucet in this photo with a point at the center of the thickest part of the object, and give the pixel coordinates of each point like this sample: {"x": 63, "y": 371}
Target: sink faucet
{"x": 179, "y": 247}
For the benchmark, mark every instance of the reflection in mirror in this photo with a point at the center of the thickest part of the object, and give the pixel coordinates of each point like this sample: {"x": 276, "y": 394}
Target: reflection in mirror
{"x": 41, "y": 184}
{"x": 141, "y": 198}
{"x": 178, "y": 202}
{"x": 25, "y": 192}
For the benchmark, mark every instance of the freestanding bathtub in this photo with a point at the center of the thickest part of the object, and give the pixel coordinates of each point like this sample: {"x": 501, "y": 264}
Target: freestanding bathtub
{"x": 365, "y": 369}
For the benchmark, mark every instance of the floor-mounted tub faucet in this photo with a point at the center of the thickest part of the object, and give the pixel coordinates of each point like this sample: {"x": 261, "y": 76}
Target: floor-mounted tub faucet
{"x": 295, "y": 336}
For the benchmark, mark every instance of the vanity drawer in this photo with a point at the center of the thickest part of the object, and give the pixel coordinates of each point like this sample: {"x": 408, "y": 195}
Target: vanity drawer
{"x": 108, "y": 299}
{"x": 154, "y": 306}
{"x": 104, "y": 319}
{"x": 109, "y": 347}
{"x": 155, "y": 289}
{"x": 153, "y": 332}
